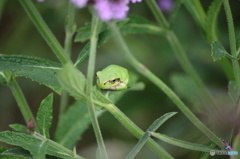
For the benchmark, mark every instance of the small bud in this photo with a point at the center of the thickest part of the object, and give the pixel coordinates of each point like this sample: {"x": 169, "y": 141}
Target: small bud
{"x": 30, "y": 125}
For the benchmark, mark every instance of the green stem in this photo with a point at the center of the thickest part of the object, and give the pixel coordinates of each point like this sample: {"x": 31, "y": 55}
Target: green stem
{"x": 64, "y": 150}
{"x": 63, "y": 103}
{"x": 154, "y": 79}
{"x": 58, "y": 146}
{"x": 232, "y": 41}
{"x": 227, "y": 67}
{"x": 44, "y": 30}
{"x": 70, "y": 29}
{"x": 137, "y": 132}
{"x": 177, "y": 47}
{"x": 158, "y": 15}
{"x": 201, "y": 13}
{"x": 21, "y": 101}
{"x": 96, "y": 23}
{"x": 69, "y": 32}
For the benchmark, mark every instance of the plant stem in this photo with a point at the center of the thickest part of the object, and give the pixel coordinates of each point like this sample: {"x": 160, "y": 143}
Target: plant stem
{"x": 21, "y": 101}
{"x": 58, "y": 146}
{"x": 63, "y": 149}
{"x": 136, "y": 131}
{"x": 44, "y": 30}
{"x": 154, "y": 79}
{"x": 232, "y": 41}
{"x": 70, "y": 28}
{"x": 201, "y": 13}
{"x": 177, "y": 47}
{"x": 96, "y": 24}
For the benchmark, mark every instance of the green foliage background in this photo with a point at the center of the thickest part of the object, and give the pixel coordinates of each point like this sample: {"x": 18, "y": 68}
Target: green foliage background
{"x": 18, "y": 36}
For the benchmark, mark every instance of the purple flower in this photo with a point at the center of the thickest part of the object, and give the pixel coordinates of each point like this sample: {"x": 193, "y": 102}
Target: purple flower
{"x": 227, "y": 145}
{"x": 40, "y": 0}
{"x": 166, "y": 5}
{"x": 79, "y": 3}
{"x": 134, "y": 1}
{"x": 112, "y": 10}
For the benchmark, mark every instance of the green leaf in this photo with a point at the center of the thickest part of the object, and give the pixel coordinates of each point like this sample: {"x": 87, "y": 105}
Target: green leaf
{"x": 211, "y": 20}
{"x": 37, "y": 69}
{"x": 181, "y": 143}
{"x": 154, "y": 126}
{"x": 236, "y": 147}
{"x": 17, "y": 152}
{"x": 139, "y": 25}
{"x": 44, "y": 116}
{"x": 73, "y": 124}
{"x": 218, "y": 51}
{"x": 132, "y": 25}
{"x": 27, "y": 141}
{"x": 22, "y": 153}
{"x": 84, "y": 33}
{"x": 39, "y": 151}
{"x": 83, "y": 55}
{"x": 233, "y": 91}
{"x": 18, "y": 127}
{"x": 74, "y": 82}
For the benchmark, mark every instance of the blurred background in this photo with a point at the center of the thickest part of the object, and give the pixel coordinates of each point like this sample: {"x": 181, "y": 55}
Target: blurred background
{"x": 18, "y": 36}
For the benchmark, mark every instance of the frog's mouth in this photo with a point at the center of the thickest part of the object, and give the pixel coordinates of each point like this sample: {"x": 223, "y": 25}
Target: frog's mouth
{"x": 120, "y": 84}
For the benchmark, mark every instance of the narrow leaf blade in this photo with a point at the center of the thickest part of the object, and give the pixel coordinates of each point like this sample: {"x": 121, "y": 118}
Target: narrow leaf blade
{"x": 154, "y": 126}
{"x": 181, "y": 143}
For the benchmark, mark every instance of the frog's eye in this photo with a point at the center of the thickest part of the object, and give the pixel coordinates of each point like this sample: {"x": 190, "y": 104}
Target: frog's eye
{"x": 116, "y": 80}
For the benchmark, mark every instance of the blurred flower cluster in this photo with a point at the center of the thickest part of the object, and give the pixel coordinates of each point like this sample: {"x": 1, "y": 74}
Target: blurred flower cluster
{"x": 107, "y": 9}
{"x": 166, "y": 5}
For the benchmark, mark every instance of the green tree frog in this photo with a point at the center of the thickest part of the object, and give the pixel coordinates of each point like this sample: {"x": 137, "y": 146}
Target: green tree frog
{"x": 113, "y": 77}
